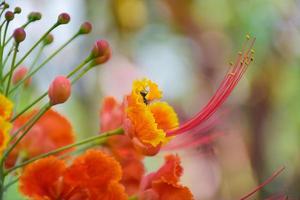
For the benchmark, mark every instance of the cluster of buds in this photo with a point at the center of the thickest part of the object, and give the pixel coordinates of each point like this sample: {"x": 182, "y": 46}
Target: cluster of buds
{"x": 15, "y": 76}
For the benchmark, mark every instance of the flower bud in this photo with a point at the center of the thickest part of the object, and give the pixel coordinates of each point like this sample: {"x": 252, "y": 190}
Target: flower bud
{"x": 6, "y": 5}
{"x": 63, "y": 18}
{"x": 19, "y": 74}
{"x": 17, "y": 10}
{"x": 34, "y": 16}
{"x": 59, "y": 90}
{"x": 9, "y": 15}
{"x": 85, "y": 28}
{"x": 100, "y": 48}
{"x": 102, "y": 59}
{"x": 48, "y": 39}
{"x": 19, "y": 35}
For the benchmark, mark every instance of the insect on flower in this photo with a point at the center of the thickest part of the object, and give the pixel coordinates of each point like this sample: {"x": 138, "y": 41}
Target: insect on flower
{"x": 151, "y": 123}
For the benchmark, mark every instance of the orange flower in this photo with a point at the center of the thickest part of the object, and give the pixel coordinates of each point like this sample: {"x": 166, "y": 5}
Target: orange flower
{"x": 146, "y": 122}
{"x": 121, "y": 147}
{"x": 6, "y": 107}
{"x": 5, "y": 127}
{"x": 92, "y": 176}
{"x": 50, "y": 132}
{"x": 164, "y": 184}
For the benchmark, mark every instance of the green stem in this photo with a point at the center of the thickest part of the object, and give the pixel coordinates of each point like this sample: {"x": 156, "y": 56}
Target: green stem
{"x": 10, "y": 73}
{"x": 28, "y": 126}
{"x": 118, "y": 131}
{"x": 38, "y": 55}
{"x": 8, "y": 55}
{"x": 45, "y": 94}
{"x": 33, "y": 47}
{"x": 10, "y": 183}
{"x": 44, "y": 63}
{"x": 29, "y": 106}
{"x": 5, "y": 32}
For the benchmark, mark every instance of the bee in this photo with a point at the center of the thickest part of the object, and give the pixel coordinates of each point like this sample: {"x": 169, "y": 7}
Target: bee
{"x": 144, "y": 94}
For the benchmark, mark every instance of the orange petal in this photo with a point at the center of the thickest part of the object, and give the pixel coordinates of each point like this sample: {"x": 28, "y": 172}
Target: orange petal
{"x": 171, "y": 171}
{"x": 93, "y": 169}
{"x": 168, "y": 191}
{"x": 41, "y": 178}
{"x": 111, "y": 114}
{"x": 164, "y": 115}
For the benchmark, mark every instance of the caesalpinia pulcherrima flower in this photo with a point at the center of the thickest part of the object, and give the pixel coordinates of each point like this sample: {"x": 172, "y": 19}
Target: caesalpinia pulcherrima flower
{"x": 50, "y": 132}
{"x": 146, "y": 119}
{"x": 164, "y": 183}
{"x": 92, "y": 176}
{"x": 151, "y": 123}
{"x": 121, "y": 147}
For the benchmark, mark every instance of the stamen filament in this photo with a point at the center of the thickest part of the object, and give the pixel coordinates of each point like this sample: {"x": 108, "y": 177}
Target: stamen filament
{"x": 270, "y": 179}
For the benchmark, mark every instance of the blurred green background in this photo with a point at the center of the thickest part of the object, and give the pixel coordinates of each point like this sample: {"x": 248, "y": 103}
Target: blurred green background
{"x": 186, "y": 47}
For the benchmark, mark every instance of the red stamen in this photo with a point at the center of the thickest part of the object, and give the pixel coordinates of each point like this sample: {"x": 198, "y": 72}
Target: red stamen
{"x": 270, "y": 179}
{"x": 226, "y": 87}
{"x": 191, "y": 143}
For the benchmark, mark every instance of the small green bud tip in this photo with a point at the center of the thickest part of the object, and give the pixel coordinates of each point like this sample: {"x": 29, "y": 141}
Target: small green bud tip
{"x": 19, "y": 35}
{"x": 34, "y": 16}
{"x": 48, "y": 39}
{"x": 9, "y": 16}
{"x": 63, "y": 18}
{"x": 17, "y": 10}
{"x": 6, "y": 5}
{"x": 59, "y": 90}
{"x": 85, "y": 28}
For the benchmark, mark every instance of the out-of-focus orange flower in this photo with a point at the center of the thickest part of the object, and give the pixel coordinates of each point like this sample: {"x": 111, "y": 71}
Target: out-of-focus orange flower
{"x": 51, "y": 131}
{"x": 146, "y": 122}
{"x": 6, "y": 107}
{"x": 92, "y": 176}
{"x": 164, "y": 183}
{"x": 5, "y": 127}
{"x": 120, "y": 146}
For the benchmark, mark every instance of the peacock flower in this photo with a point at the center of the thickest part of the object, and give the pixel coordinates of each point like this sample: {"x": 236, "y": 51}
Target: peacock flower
{"x": 5, "y": 127}
{"x": 92, "y": 176}
{"x": 164, "y": 183}
{"x": 6, "y": 107}
{"x": 151, "y": 123}
{"x": 121, "y": 147}
{"x": 146, "y": 118}
{"x": 51, "y": 131}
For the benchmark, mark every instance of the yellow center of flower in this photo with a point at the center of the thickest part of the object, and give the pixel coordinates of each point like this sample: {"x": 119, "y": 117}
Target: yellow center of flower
{"x": 149, "y": 117}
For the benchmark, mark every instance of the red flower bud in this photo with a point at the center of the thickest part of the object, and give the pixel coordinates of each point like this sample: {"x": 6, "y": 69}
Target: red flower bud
{"x": 9, "y": 15}
{"x": 85, "y": 28}
{"x": 63, "y": 18}
{"x": 19, "y": 74}
{"x": 48, "y": 39}
{"x": 100, "y": 48}
{"x": 59, "y": 90}
{"x": 34, "y": 16}
{"x": 19, "y": 35}
{"x": 17, "y": 10}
